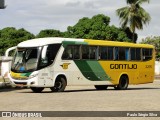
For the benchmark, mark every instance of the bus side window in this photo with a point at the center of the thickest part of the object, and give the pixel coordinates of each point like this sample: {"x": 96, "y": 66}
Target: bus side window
{"x": 147, "y": 54}
{"x": 48, "y": 55}
{"x": 116, "y": 52}
{"x": 76, "y": 52}
{"x": 106, "y": 53}
{"x": 103, "y": 53}
{"x": 122, "y": 53}
{"x": 135, "y": 54}
{"x": 89, "y": 52}
{"x": 52, "y": 52}
{"x": 127, "y": 54}
{"x": 71, "y": 52}
{"x": 85, "y": 52}
{"x": 93, "y": 52}
{"x": 138, "y": 53}
{"x": 68, "y": 53}
{"x": 110, "y": 53}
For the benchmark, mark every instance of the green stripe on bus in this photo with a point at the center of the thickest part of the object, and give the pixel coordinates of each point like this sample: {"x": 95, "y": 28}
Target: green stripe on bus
{"x": 66, "y": 43}
{"x": 26, "y": 74}
{"x": 92, "y": 70}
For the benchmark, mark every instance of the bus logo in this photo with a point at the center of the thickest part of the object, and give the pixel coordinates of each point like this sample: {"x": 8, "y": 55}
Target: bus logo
{"x": 123, "y": 66}
{"x": 65, "y": 65}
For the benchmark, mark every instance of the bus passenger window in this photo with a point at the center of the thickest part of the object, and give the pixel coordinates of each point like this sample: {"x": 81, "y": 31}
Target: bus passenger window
{"x": 85, "y": 52}
{"x": 138, "y": 53}
{"x": 110, "y": 53}
{"x": 76, "y": 52}
{"x": 135, "y": 54}
{"x": 71, "y": 52}
{"x": 116, "y": 53}
{"x": 106, "y": 53}
{"x": 103, "y": 53}
{"x": 92, "y": 52}
{"x": 147, "y": 54}
{"x": 67, "y": 54}
{"x": 122, "y": 54}
{"x": 89, "y": 52}
{"x": 127, "y": 54}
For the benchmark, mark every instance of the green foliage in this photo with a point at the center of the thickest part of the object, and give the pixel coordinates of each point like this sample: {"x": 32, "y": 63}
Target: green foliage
{"x": 130, "y": 34}
{"x": 10, "y": 37}
{"x": 133, "y": 15}
{"x": 49, "y": 33}
{"x": 153, "y": 40}
{"x": 96, "y": 28}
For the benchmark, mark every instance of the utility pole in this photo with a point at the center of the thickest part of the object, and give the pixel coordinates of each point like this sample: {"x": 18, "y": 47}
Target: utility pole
{"x": 2, "y": 4}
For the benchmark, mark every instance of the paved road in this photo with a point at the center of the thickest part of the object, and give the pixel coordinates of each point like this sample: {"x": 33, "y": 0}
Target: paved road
{"x": 84, "y": 98}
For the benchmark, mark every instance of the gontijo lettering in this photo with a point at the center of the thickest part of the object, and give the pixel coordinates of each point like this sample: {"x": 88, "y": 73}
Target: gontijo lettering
{"x": 123, "y": 66}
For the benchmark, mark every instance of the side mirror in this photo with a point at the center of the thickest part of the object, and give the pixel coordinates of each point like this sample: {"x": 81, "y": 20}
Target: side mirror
{"x": 44, "y": 52}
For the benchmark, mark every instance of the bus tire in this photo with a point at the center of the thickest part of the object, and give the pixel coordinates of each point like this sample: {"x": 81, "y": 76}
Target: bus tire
{"x": 123, "y": 83}
{"x": 101, "y": 87}
{"x": 60, "y": 85}
{"x": 37, "y": 89}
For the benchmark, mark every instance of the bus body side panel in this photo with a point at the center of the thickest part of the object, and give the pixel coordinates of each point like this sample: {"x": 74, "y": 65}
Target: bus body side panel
{"x": 45, "y": 77}
{"x": 80, "y": 72}
{"x": 138, "y": 72}
{"x": 146, "y": 72}
{"x": 115, "y": 69}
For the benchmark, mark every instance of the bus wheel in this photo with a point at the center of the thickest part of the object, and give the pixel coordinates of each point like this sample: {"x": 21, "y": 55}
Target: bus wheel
{"x": 123, "y": 83}
{"x": 101, "y": 87}
{"x": 37, "y": 89}
{"x": 60, "y": 85}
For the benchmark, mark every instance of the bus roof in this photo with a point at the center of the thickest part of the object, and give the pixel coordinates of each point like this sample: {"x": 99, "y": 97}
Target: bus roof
{"x": 116, "y": 43}
{"x": 54, "y": 40}
{"x": 45, "y": 41}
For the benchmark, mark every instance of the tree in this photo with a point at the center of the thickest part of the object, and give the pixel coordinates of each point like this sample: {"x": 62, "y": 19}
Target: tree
{"x": 134, "y": 15}
{"x": 130, "y": 34}
{"x": 153, "y": 40}
{"x": 96, "y": 28}
{"x": 49, "y": 33}
{"x": 10, "y": 37}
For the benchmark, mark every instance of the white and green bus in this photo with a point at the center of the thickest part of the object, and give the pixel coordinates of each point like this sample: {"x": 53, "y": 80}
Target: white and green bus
{"x": 59, "y": 62}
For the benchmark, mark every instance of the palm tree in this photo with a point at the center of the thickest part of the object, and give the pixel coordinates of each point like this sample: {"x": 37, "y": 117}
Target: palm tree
{"x": 134, "y": 15}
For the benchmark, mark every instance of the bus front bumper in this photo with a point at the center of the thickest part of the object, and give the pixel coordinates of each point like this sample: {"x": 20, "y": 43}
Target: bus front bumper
{"x": 31, "y": 82}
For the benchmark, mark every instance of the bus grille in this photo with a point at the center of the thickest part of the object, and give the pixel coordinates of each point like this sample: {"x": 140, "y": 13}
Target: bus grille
{"x": 21, "y": 83}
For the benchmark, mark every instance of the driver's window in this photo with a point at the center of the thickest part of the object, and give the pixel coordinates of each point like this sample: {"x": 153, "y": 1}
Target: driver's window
{"x": 48, "y": 54}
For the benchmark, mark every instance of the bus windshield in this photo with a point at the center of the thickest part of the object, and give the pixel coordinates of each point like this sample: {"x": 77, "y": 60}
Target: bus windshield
{"x": 26, "y": 59}
{"x": 31, "y": 59}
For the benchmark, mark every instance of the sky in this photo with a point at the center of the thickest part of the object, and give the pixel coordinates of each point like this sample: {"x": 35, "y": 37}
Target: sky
{"x": 37, "y": 15}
